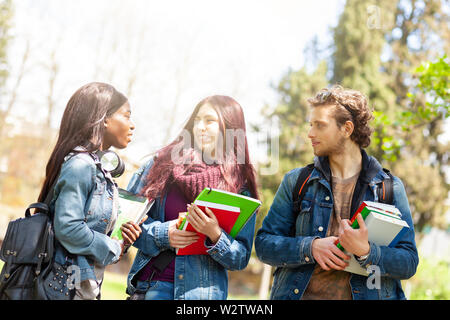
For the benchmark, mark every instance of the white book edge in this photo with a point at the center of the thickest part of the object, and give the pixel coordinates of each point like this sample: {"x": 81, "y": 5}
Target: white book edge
{"x": 217, "y": 206}
{"x": 384, "y": 212}
{"x": 389, "y": 208}
{"x": 390, "y": 219}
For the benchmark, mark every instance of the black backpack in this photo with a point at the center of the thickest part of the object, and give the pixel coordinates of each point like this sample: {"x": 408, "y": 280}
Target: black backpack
{"x": 385, "y": 192}
{"x": 30, "y": 271}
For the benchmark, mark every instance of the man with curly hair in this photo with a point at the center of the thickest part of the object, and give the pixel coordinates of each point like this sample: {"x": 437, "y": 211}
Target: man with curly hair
{"x": 302, "y": 244}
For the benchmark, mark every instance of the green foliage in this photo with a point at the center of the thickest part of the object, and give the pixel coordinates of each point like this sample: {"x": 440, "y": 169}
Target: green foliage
{"x": 431, "y": 282}
{"x": 434, "y": 78}
{"x": 418, "y": 126}
{"x": 382, "y": 137}
{"x": 114, "y": 286}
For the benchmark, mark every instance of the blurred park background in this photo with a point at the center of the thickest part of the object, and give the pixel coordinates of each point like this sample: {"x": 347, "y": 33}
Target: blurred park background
{"x": 270, "y": 55}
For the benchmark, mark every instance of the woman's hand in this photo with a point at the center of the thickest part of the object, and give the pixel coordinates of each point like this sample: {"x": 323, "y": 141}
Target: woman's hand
{"x": 205, "y": 223}
{"x": 180, "y": 238}
{"x": 130, "y": 233}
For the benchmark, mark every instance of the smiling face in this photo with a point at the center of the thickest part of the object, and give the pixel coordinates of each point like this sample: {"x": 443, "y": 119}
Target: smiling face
{"x": 206, "y": 129}
{"x": 118, "y": 128}
{"x": 326, "y": 137}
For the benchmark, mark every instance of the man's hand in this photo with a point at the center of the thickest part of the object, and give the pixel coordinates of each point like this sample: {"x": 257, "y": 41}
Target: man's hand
{"x": 328, "y": 255}
{"x": 355, "y": 241}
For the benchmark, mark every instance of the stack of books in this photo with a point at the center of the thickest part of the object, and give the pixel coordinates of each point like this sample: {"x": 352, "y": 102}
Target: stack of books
{"x": 232, "y": 211}
{"x": 384, "y": 225}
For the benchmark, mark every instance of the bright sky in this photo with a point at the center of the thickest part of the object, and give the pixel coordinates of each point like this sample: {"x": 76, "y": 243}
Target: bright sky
{"x": 177, "y": 52}
{"x": 174, "y": 52}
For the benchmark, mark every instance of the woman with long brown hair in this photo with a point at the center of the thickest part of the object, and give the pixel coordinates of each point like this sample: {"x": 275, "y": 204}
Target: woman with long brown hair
{"x": 211, "y": 151}
{"x": 82, "y": 191}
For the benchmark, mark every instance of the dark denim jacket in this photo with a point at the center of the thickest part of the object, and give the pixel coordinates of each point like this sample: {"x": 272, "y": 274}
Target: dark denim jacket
{"x": 276, "y": 245}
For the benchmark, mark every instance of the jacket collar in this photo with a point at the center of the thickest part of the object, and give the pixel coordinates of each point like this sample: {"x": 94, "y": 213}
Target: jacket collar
{"x": 369, "y": 169}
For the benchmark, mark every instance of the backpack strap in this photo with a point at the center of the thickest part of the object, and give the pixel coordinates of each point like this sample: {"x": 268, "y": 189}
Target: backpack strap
{"x": 300, "y": 187}
{"x": 163, "y": 259}
{"x": 386, "y": 190}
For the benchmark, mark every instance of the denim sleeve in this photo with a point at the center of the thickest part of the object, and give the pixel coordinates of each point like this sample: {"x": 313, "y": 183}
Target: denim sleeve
{"x": 274, "y": 243}
{"x": 234, "y": 254}
{"x": 155, "y": 234}
{"x": 138, "y": 180}
{"x": 154, "y": 237}
{"x": 401, "y": 261}
{"x": 72, "y": 190}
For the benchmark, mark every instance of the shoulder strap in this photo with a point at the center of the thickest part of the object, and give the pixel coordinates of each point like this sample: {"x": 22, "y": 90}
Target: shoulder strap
{"x": 161, "y": 261}
{"x": 300, "y": 189}
{"x": 386, "y": 191}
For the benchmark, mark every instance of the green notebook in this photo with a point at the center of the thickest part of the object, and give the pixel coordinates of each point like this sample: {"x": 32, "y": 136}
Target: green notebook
{"x": 247, "y": 205}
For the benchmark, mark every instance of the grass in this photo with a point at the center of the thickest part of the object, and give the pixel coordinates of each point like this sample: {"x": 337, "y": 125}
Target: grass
{"x": 114, "y": 286}
{"x": 431, "y": 282}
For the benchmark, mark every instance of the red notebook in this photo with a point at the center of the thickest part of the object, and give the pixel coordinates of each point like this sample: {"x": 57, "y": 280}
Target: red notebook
{"x": 226, "y": 215}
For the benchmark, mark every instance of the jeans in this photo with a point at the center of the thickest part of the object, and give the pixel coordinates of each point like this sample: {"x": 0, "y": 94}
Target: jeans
{"x": 156, "y": 290}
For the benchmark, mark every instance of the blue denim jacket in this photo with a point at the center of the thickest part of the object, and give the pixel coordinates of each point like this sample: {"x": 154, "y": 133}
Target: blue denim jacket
{"x": 276, "y": 245}
{"x": 197, "y": 277}
{"x": 82, "y": 204}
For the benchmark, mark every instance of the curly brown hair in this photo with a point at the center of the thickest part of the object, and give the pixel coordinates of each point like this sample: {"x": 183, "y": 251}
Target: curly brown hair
{"x": 351, "y": 105}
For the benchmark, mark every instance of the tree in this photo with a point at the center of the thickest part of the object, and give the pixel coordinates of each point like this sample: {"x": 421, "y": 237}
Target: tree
{"x": 359, "y": 42}
{"x": 376, "y": 49}
{"x": 421, "y": 33}
{"x": 6, "y": 14}
{"x": 425, "y": 158}
{"x": 433, "y": 82}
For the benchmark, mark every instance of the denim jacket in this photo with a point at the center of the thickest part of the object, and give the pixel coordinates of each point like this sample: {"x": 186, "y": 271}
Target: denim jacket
{"x": 82, "y": 205}
{"x": 291, "y": 254}
{"x": 197, "y": 277}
